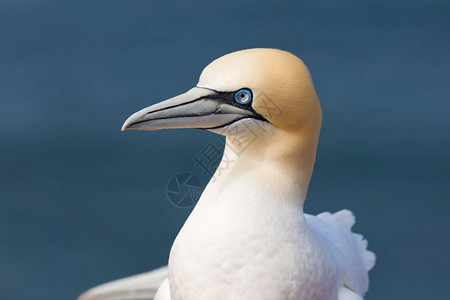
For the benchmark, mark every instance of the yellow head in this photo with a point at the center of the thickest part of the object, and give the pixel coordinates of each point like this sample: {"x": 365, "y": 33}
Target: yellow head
{"x": 275, "y": 87}
{"x": 283, "y": 92}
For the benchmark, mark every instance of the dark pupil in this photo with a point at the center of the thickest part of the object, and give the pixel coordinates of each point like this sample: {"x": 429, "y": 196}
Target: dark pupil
{"x": 242, "y": 95}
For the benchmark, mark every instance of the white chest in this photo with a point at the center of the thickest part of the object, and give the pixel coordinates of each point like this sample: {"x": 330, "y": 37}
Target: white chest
{"x": 231, "y": 253}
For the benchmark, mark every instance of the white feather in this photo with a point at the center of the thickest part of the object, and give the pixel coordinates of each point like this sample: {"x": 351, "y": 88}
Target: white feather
{"x": 349, "y": 249}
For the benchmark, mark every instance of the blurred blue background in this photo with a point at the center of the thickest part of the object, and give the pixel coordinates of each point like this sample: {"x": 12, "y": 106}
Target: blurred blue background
{"x": 82, "y": 203}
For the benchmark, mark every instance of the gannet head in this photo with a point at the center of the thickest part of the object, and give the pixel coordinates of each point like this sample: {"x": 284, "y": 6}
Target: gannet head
{"x": 265, "y": 96}
{"x": 268, "y": 86}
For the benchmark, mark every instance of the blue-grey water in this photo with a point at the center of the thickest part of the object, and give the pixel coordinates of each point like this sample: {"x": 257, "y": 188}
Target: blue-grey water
{"x": 82, "y": 203}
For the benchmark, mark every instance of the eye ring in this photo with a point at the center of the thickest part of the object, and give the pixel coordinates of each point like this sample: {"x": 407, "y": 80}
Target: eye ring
{"x": 243, "y": 96}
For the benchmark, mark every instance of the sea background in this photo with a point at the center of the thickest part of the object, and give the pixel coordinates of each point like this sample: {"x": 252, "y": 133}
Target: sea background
{"x": 82, "y": 203}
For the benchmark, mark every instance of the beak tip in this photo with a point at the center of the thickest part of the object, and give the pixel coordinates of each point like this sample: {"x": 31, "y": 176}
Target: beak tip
{"x": 128, "y": 124}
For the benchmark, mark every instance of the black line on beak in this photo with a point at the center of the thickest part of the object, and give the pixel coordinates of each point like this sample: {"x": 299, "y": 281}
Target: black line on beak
{"x": 224, "y": 97}
{"x": 228, "y": 98}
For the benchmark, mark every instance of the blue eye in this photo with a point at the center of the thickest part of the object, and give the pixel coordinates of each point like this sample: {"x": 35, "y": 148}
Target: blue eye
{"x": 243, "y": 96}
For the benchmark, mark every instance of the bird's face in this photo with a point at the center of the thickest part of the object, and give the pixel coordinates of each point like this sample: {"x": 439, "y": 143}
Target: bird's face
{"x": 269, "y": 87}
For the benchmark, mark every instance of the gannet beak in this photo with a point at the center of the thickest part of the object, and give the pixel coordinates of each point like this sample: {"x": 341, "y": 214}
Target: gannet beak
{"x": 197, "y": 108}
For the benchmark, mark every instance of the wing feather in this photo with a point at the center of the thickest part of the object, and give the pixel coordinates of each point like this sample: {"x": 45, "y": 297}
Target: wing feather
{"x": 138, "y": 287}
{"x": 349, "y": 249}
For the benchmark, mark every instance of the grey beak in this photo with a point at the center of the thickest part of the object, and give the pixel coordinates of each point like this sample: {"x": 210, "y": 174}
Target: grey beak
{"x": 197, "y": 108}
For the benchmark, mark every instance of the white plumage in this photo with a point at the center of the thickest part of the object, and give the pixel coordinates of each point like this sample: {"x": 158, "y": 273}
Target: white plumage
{"x": 349, "y": 249}
{"x": 248, "y": 237}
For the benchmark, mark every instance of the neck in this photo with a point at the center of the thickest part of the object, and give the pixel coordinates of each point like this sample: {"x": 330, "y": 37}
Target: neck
{"x": 276, "y": 169}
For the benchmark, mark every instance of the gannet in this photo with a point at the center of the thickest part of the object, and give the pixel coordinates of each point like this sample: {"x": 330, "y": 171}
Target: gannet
{"x": 248, "y": 237}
